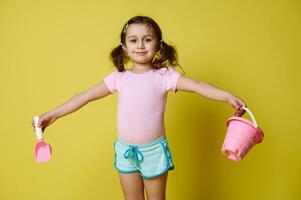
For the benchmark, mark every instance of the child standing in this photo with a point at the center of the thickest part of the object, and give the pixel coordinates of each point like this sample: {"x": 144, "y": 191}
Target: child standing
{"x": 142, "y": 155}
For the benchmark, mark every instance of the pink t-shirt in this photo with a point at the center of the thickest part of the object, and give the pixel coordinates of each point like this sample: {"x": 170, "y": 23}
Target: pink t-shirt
{"x": 141, "y": 102}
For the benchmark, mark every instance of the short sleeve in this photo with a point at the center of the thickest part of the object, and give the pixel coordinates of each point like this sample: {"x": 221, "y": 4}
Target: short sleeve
{"x": 171, "y": 77}
{"x": 112, "y": 81}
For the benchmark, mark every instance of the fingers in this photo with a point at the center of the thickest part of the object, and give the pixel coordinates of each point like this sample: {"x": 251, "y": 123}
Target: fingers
{"x": 40, "y": 125}
{"x": 242, "y": 104}
{"x": 239, "y": 112}
{"x": 238, "y": 104}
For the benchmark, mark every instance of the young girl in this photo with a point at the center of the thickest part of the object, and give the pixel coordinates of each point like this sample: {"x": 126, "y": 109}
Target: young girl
{"x": 142, "y": 155}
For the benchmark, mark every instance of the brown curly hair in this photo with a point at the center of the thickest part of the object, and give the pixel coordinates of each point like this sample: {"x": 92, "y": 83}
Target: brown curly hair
{"x": 168, "y": 53}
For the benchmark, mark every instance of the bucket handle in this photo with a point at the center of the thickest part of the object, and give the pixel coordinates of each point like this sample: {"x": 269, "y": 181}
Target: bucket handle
{"x": 251, "y": 115}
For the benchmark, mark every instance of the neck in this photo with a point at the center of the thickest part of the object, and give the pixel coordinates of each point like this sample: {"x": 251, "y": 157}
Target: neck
{"x": 141, "y": 67}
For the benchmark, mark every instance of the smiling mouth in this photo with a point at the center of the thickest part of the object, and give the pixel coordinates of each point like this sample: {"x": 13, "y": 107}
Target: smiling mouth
{"x": 141, "y": 53}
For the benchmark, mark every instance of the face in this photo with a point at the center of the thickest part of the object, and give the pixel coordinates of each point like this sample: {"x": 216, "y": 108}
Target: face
{"x": 141, "y": 43}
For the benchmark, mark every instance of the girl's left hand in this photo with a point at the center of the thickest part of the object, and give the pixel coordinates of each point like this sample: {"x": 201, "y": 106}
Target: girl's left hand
{"x": 237, "y": 103}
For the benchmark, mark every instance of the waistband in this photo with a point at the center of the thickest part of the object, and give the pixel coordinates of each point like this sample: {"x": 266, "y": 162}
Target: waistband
{"x": 153, "y": 142}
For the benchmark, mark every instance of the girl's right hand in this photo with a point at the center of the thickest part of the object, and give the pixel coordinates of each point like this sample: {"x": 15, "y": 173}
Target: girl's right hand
{"x": 44, "y": 120}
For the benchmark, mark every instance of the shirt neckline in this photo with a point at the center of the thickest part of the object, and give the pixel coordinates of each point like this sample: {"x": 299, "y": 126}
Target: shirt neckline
{"x": 140, "y": 74}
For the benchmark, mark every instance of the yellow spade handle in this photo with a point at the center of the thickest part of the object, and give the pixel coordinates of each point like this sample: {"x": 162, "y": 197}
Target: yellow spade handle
{"x": 38, "y": 130}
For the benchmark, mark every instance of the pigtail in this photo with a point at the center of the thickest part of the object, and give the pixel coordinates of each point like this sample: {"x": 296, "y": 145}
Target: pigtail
{"x": 166, "y": 56}
{"x": 118, "y": 58}
{"x": 170, "y": 54}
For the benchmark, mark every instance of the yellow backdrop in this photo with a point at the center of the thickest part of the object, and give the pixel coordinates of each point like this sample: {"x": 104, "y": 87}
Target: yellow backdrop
{"x": 51, "y": 50}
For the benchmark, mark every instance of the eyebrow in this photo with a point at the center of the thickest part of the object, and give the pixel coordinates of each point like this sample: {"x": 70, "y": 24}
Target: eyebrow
{"x": 136, "y": 36}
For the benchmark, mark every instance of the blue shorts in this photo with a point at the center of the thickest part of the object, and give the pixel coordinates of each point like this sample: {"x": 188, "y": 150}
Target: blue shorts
{"x": 150, "y": 159}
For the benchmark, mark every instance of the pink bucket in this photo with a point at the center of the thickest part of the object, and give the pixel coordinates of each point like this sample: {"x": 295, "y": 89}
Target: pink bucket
{"x": 241, "y": 136}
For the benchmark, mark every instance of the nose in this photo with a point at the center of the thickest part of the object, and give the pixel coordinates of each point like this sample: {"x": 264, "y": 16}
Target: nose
{"x": 140, "y": 45}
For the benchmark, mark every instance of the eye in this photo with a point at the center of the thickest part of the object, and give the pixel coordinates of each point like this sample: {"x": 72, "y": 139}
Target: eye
{"x": 148, "y": 39}
{"x": 132, "y": 40}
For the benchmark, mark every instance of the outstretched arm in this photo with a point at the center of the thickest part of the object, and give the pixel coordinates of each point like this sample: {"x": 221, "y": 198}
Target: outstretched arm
{"x": 79, "y": 100}
{"x": 207, "y": 90}
{"x": 74, "y": 103}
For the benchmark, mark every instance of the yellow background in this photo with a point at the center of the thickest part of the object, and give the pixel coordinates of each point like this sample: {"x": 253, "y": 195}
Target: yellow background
{"x": 51, "y": 50}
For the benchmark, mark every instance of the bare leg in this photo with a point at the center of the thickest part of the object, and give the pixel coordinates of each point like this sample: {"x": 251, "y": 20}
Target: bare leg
{"x": 132, "y": 186}
{"x": 156, "y": 187}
